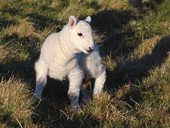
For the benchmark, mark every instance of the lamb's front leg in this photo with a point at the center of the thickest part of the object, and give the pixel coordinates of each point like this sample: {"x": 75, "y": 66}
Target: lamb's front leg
{"x": 99, "y": 82}
{"x": 75, "y": 80}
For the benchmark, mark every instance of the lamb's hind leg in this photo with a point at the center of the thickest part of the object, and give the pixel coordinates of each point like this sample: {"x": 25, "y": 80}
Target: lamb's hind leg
{"x": 99, "y": 82}
{"x": 86, "y": 90}
{"x": 41, "y": 78}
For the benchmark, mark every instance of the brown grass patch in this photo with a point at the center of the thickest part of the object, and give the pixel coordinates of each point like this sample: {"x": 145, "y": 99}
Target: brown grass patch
{"x": 110, "y": 63}
{"x": 15, "y": 99}
{"x": 111, "y": 4}
{"x": 103, "y": 109}
{"x": 6, "y": 54}
{"x": 146, "y": 47}
{"x": 23, "y": 29}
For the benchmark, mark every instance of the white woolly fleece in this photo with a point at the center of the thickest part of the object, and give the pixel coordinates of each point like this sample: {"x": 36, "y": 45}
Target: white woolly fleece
{"x": 66, "y": 55}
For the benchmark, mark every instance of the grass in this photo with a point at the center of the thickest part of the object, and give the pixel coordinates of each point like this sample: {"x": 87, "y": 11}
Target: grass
{"x": 134, "y": 42}
{"x": 15, "y": 105}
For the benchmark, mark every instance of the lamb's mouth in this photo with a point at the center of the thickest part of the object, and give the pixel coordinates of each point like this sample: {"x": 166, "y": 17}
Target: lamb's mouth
{"x": 89, "y": 50}
{"x": 86, "y": 52}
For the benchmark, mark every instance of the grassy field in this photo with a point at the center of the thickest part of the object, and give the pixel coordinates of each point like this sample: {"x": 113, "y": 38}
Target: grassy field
{"x": 134, "y": 40}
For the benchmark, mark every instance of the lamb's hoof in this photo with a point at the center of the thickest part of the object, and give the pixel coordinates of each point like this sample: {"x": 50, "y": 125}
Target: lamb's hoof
{"x": 36, "y": 100}
{"x": 76, "y": 109}
{"x": 79, "y": 111}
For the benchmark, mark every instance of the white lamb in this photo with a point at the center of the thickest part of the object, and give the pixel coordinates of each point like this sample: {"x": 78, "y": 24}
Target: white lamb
{"x": 71, "y": 53}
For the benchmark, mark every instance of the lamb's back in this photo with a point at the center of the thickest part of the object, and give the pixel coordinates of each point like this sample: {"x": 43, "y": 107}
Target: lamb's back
{"x": 49, "y": 48}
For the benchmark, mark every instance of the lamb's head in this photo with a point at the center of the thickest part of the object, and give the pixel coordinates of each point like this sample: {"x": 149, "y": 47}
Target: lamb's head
{"x": 81, "y": 34}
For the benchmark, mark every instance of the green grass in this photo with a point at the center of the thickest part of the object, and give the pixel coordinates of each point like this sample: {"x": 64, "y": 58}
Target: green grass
{"x": 134, "y": 42}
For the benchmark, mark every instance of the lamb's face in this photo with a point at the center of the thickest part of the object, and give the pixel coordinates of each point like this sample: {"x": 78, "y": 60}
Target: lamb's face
{"x": 81, "y": 34}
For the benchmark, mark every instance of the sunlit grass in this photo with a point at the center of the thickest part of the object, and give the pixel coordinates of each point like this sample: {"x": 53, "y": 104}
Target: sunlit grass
{"x": 15, "y": 102}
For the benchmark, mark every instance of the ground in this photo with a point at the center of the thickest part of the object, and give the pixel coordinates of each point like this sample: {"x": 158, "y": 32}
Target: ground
{"x": 134, "y": 40}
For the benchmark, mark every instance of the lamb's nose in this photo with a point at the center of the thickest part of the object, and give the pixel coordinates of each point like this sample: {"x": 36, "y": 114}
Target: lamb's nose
{"x": 89, "y": 50}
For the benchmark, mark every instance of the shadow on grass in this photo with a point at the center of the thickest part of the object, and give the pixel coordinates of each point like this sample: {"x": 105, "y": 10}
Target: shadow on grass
{"x": 120, "y": 38}
{"x": 52, "y": 113}
{"x": 5, "y": 23}
{"x": 11, "y": 11}
{"x": 144, "y": 5}
{"x": 135, "y": 71}
{"x": 114, "y": 25}
{"x": 138, "y": 69}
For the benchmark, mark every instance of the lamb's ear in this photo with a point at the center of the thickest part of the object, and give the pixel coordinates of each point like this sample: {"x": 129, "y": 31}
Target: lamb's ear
{"x": 72, "y": 21}
{"x": 88, "y": 19}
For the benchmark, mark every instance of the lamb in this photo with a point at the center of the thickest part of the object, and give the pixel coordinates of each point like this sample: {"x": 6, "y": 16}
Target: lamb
{"x": 72, "y": 54}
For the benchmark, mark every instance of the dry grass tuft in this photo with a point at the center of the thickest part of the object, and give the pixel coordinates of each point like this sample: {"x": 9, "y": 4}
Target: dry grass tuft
{"x": 6, "y": 54}
{"x": 55, "y": 4}
{"x": 122, "y": 91}
{"x": 70, "y": 9}
{"x": 110, "y": 63}
{"x": 164, "y": 85}
{"x": 99, "y": 38}
{"x": 78, "y": 8}
{"x": 152, "y": 116}
{"x": 15, "y": 101}
{"x": 103, "y": 109}
{"x": 24, "y": 29}
{"x": 146, "y": 47}
{"x": 3, "y": 53}
{"x": 110, "y": 4}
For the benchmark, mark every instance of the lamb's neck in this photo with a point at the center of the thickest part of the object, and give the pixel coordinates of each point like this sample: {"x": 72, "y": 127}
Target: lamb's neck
{"x": 67, "y": 48}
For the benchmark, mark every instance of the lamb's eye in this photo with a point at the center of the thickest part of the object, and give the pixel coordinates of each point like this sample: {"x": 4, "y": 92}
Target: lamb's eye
{"x": 79, "y": 34}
